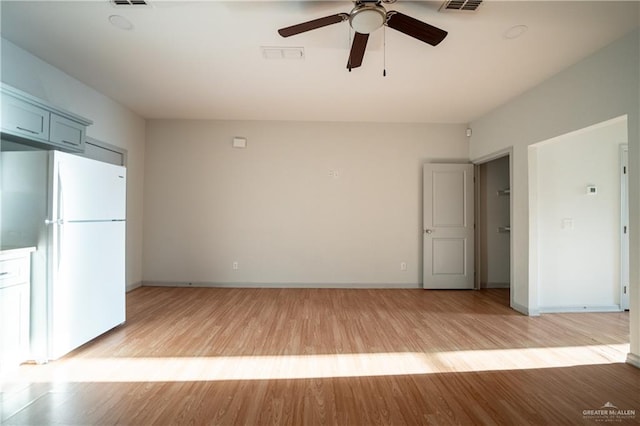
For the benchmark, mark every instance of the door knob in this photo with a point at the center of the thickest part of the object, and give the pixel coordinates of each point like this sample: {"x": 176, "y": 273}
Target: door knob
{"x": 428, "y": 231}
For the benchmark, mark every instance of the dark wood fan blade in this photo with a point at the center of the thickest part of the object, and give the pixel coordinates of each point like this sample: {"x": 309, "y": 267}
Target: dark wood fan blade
{"x": 415, "y": 28}
{"x": 312, "y": 25}
{"x": 357, "y": 50}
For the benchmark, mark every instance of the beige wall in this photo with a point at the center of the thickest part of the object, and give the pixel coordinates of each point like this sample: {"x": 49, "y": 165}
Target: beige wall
{"x": 278, "y": 208}
{"x": 604, "y": 86}
{"x": 112, "y": 123}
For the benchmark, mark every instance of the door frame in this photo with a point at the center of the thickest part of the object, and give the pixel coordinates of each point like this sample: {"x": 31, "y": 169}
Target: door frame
{"x": 624, "y": 226}
{"x": 507, "y": 152}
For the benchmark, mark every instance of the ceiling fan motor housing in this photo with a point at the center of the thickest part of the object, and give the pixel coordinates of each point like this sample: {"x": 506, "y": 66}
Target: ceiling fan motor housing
{"x": 366, "y": 17}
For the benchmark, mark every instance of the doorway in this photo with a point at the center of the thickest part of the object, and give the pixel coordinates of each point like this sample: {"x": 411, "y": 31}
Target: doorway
{"x": 576, "y": 200}
{"x": 493, "y": 225}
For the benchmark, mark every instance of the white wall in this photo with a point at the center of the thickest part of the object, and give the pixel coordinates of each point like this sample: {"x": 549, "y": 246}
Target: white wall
{"x": 578, "y": 233}
{"x": 494, "y": 213}
{"x": 112, "y": 123}
{"x": 599, "y": 88}
{"x": 274, "y": 207}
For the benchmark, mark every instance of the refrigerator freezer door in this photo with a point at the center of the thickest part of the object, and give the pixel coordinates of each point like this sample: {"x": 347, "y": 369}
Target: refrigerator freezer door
{"x": 88, "y": 190}
{"x": 88, "y": 290}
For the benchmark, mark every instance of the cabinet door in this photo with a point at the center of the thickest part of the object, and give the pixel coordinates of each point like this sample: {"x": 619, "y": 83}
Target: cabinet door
{"x": 66, "y": 133}
{"x": 24, "y": 119}
{"x": 14, "y": 326}
{"x": 13, "y": 271}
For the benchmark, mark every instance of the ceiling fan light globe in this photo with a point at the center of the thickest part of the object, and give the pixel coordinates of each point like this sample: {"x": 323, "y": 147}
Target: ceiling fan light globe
{"x": 367, "y": 19}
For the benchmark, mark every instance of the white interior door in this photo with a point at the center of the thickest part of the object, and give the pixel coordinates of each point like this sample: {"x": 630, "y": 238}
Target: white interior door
{"x": 448, "y": 226}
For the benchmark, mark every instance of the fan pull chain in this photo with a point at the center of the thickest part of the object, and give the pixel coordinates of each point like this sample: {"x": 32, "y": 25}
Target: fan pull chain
{"x": 384, "y": 51}
{"x": 349, "y": 47}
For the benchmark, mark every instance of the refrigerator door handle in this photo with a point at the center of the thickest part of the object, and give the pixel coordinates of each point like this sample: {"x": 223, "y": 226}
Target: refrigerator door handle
{"x": 60, "y": 215}
{"x": 54, "y": 222}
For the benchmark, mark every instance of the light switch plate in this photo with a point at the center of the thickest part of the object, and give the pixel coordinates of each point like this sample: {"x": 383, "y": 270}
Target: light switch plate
{"x": 239, "y": 142}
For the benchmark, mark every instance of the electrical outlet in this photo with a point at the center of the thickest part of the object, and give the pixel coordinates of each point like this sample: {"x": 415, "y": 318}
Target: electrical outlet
{"x": 403, "y": 266}
{"x": 235, "y": 265}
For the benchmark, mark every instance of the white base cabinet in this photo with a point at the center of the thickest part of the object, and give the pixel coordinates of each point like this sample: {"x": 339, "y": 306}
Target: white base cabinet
{"x": 15, "y": 303}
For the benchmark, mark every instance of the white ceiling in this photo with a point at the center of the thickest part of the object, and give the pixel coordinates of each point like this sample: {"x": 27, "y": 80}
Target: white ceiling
{"x": 203, "y": 60}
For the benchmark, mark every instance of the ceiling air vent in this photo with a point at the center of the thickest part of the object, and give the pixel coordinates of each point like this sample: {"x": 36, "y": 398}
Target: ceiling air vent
{"x": 282, "y": 52}
{"x": 121, "y": 3}
{"x": 460, "y": 5}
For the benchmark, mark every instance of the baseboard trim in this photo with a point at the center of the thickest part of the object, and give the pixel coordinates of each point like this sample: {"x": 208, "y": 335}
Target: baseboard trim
{"x": 495, "y": 285}
{"x": 133, "y": 286}
{"x": 524, "y": 310}
{"x": 281, "y": 285}
{"x": 633, "y": 359}
{"x": 573, "y": 309}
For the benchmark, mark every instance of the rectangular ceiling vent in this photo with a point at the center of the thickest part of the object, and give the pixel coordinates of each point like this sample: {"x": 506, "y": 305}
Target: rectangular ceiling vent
{"x": 125, "y": 3}
{"x": 282, "y": 53}
{"x": 460, "y": 5}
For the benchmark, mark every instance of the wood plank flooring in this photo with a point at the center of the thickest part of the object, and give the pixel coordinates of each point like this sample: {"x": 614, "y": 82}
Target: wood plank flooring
{"x": 335, "y": 357}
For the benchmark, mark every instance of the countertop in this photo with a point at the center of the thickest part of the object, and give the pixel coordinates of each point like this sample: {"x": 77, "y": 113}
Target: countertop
{"x": 9, "y": 251}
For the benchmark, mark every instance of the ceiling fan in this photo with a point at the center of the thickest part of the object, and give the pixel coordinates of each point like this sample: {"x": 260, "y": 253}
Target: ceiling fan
{"x": 366, "y": 17}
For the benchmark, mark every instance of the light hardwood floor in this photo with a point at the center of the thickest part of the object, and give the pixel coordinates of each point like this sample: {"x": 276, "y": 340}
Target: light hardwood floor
{"x": 327, "y": 356}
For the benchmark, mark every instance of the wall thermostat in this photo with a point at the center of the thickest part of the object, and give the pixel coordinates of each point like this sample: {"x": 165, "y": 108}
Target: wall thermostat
{"x": 592, "y": 189}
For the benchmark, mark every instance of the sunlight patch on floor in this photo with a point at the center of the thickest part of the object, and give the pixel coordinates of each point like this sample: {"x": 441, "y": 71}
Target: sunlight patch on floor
{"x": 174, "y": 369}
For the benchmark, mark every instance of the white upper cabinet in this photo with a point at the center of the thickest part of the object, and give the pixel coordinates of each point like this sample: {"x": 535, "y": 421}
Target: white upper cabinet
{"x": 23, "y": 118}
{"x": 65, "y": 132}
{"x": 33, "y": 121}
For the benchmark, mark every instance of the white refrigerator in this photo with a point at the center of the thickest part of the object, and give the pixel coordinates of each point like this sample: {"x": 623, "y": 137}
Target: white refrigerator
{"x": 73, "y": 210}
